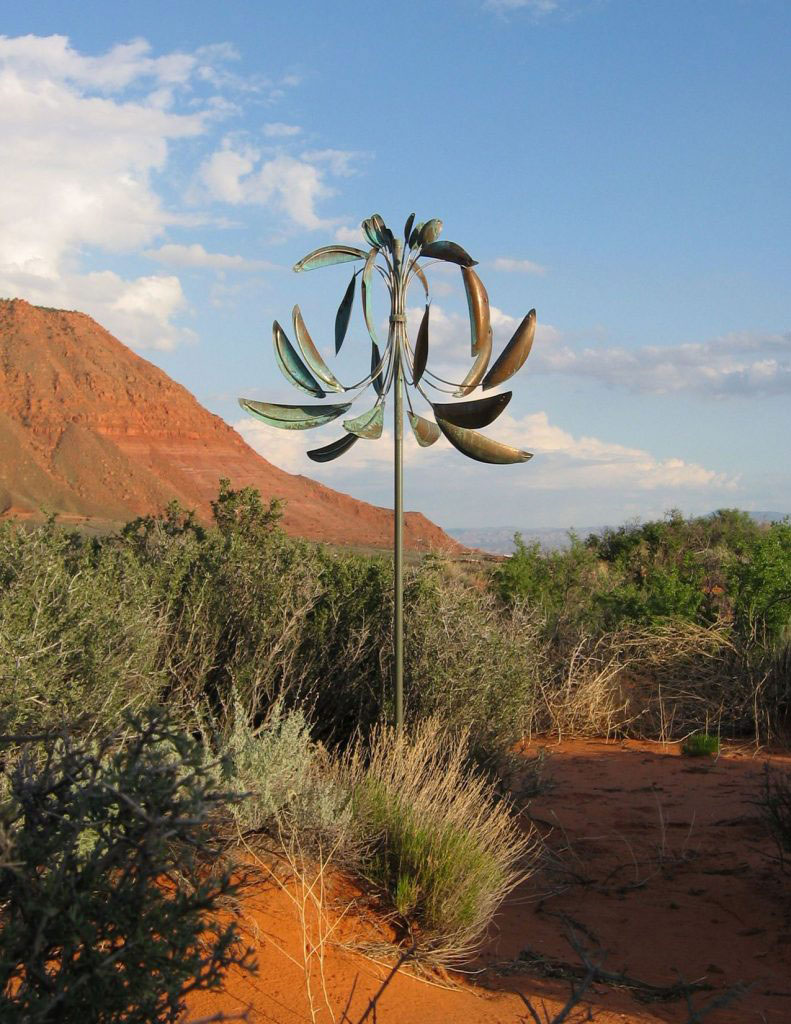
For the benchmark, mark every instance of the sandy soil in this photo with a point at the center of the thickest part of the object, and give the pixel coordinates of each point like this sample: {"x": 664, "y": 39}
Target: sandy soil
{"x": 656, "y": 865}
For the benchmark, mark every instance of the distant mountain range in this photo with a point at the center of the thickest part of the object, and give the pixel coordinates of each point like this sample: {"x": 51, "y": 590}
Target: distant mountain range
{"x": 95, "y": 433}
{"x": 499, "y": 540}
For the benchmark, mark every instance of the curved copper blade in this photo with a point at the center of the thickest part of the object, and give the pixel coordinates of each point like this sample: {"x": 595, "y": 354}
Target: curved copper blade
{"x": 312, "y": 354}
{"x": 293, "y": 417}
{"x": 430, "y": 232}
{"x": 408, "y": 228}
{"x": 327, "y": 255}
{"x": 423, "y": 279}
{"x": 478, "y": 306}
{"x": 478, "y": 413}
{"x": 291, "y": 366}
{"x": 344, "y": 313}
{"x": 478, "y": 369}
{"x": 421, "y": 349}
{"x": 426, "y": 432}
{"x": 369, "y": 424}
{"x": 514, "y": 354}
{"x": 481, "y": 448}
{"x": 333, "y": 450}
{"x": 448, "y": 251}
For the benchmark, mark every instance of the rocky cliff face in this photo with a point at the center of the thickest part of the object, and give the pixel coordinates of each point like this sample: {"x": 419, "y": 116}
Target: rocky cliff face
{"x": 94, "y": 432}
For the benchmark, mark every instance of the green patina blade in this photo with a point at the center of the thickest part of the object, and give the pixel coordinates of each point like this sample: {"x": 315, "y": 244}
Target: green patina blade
{"x": 293, "y": 417}
{"x": 328, "y": 255}
{"x": 369, "y": 424}
{"x": 291, "y": 366}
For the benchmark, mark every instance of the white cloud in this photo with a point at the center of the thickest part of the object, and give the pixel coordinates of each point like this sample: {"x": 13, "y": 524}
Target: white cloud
{"x": 279, "y": 130}
{"x": 350, "y": 236}
{"x": 196, "y": 256}
{"x": 52, "y": 58}
{"x": 742, "y": 363}
{"x": 534, "y": 6}
{"x": 592, "y": 463}
{"x": 562, "y": 462}
{"x": 340, "y": 161}
{"x": 518, "y": 266}
{"x": 293, "y": 186}
{"x": 88, "y": 135}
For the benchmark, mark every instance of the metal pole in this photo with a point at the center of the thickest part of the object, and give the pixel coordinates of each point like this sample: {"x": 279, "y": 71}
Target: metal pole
{"x": 398, "y": 545}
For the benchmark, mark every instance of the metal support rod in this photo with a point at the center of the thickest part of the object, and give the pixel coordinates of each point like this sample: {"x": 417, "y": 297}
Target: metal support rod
{"x": 398, "y": 544}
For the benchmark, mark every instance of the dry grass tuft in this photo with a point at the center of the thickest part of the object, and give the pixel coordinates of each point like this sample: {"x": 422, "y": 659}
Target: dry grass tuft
{"x": 441, "y": 844}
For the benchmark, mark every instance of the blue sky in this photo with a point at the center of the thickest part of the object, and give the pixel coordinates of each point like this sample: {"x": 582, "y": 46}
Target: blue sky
{"x": 621, "y": 165}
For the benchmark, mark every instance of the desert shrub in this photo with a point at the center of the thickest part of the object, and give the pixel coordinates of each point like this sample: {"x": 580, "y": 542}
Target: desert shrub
{"x": 79, "y": 636}
{"x": 760, "y": 581}
{"x": 291, "y": 786}
{"x": 442, "y": 847}
{"x": 700, "y": 744}
{"x": 660, "y": 681}
{"x": 468, "y": 661}
{"x": 558, "y": 584}
{"x": 107, "y": 907}
{"x": 775, "y": 805}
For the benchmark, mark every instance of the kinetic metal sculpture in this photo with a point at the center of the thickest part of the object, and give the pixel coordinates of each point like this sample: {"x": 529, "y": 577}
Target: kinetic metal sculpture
{"x": 396, "y": 261}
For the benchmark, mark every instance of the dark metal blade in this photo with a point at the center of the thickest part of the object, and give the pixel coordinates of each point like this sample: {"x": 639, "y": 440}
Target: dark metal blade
{"x": 478, "y": 413}
{"x": 449, "y": 251}
{"x": 376, "y": 359}
{"x": 344, "y": 314}
{"x": 408, "y": 227}
{"x": 421, "y": 348}
{"x": 334, "y": 450}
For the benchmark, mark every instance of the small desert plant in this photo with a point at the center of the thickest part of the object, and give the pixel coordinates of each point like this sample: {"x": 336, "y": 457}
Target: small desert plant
{"x": 700, "y": 744}
{"x": 441, "y": 846}
{"x": 775, "y": 805}
{"x": 107, "y": 903}
{"x": 291, "y": 784}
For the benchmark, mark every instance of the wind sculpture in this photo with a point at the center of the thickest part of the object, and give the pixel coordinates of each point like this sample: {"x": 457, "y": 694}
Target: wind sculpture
{"x": 396, "y": 261}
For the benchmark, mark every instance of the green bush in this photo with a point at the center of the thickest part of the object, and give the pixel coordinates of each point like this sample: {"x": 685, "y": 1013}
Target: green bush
{"x": 700, "y": 744}
{"x": 79, "y": 634}
{"x": 108, "y": 907}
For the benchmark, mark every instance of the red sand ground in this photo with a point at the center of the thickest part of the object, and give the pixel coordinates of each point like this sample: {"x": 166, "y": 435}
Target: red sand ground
{"x": 94, "y": 432}
{"x": 661, "y": 860}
